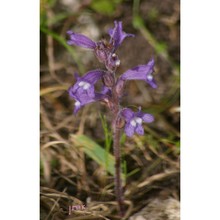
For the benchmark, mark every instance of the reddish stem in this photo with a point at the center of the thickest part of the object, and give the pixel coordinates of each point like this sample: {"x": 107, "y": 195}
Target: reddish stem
{"x": 117, "y": 153}
{"x": 118, "y": 182}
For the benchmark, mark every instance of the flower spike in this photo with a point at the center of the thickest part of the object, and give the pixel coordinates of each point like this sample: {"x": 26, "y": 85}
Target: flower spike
{"x": 84, "y": 92}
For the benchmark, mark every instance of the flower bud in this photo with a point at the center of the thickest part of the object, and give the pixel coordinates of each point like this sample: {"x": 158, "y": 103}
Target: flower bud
{"x": 119, "y": 88}
{"x": 112, "y": 62}
{"x": 108, "y": 79}
{"x": 120, "y": 122}
{"x": 101, "y": 52}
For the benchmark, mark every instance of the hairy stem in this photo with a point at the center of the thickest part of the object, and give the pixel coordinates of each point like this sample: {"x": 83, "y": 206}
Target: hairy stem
{"x": 118, "y": 182}
{"x": 117, "y": 153}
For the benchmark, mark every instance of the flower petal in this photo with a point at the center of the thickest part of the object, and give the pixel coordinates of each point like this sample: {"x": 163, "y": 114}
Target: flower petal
{"x": 151, "y": 82}
{"x": 105, "y": 91}
{"x": 76, "y": 90}
{"x": 80, "y": 40}
{"x": 77, "y": 107}
{"x": 133, "y": 74}
{"x": 139, "y": 72}
{"x": 129, "y": 129}
{"x": 139, "y": 130}
{"x": 128, "y": 114}
{"x": 91, "y": 92}
{"x": 76, "y": 75}
{"x": 86, "y": 83}
{"x": 83, "y": 99}
{"x": 118, "y": 35}
{"x": 93, "y": 76}
{"x": 72, "y": 91}
{"x": 148, "y": 118}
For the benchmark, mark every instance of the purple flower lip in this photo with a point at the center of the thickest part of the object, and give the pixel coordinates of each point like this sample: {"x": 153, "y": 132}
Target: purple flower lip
{"x": 83, "y": 99}
{"x": 141, "y": 72}
{"x": 134, "y": 121}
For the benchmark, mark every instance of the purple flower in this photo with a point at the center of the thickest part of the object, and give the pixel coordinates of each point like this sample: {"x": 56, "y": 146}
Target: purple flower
{"x": 118, "y": 35}
{"x": 83, "y": 99}
{"x": 80, "y": 40}
{"x": 85, "y": 84}
{"x": 104, "y": 51}
{"x": 83, "y": 91}
{"x": 141, "y": 72}
{"x": 134, "y": 121}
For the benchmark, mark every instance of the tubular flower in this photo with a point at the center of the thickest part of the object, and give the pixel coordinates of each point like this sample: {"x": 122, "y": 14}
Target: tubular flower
{"x": 118, "y": 35}
{"x": 85, "y": 84}
{"x": 80, "y": 40}
{"x": 134, "y": 121}
{"x": 104, "y": 51}
{"x": 141, "y": 72}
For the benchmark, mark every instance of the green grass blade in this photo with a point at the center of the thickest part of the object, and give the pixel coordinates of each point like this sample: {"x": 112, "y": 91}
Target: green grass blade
{"x": 62, "y": 41}
{"x": 95, "y": 151}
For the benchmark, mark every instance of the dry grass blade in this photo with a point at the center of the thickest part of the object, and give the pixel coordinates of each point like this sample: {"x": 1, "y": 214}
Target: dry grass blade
{"x": 157, "y": 177}
{"x": 47, "y": 90}
{"x": 52, "y": 208}
{"x": 52, "y": 143}
{"x": 45, "y": 158}
{"x": 52, "y": 193}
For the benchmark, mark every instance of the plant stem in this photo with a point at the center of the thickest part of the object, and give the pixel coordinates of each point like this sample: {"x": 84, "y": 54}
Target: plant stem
{"x": 117, "y": 153}
{"x": 118, "y": 182}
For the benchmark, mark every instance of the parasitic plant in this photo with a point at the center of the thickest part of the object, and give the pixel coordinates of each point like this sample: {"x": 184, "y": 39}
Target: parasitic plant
{"x": 84, "y": 91}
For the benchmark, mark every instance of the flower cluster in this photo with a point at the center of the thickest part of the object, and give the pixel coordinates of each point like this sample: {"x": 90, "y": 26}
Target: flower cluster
{"x": 84, "y": 91}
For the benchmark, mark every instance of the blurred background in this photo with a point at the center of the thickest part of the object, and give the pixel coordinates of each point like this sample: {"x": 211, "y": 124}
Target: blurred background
{"x": 76, "y": 164}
